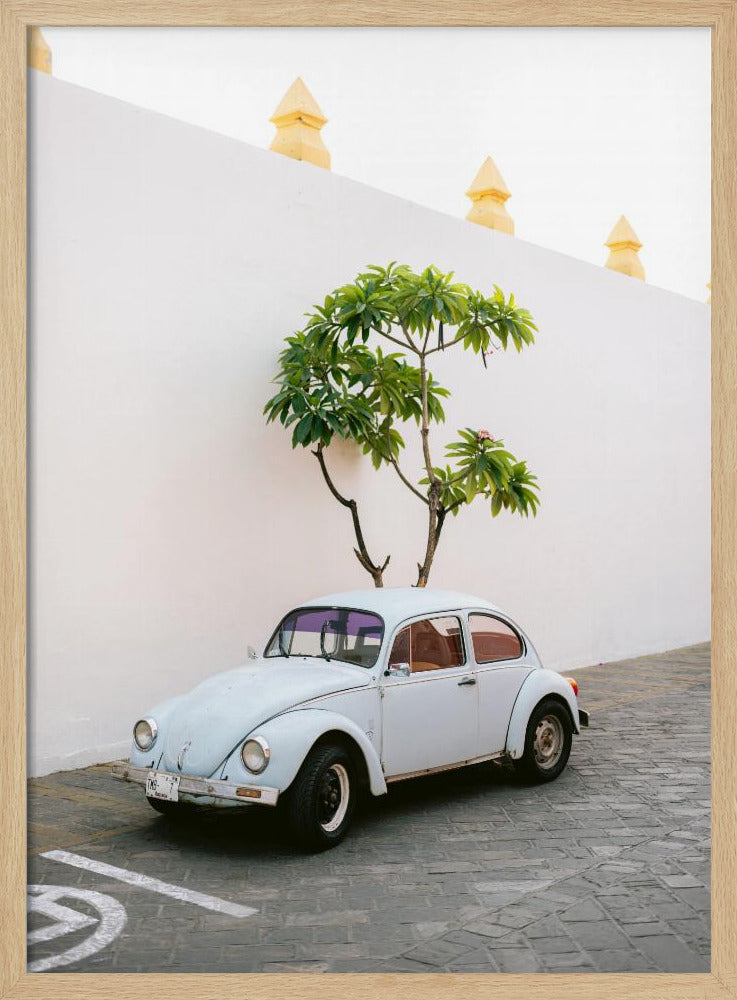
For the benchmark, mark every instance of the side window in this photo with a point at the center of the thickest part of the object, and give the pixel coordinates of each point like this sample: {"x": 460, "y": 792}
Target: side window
{"x": 400, "y": 650}
{"x": 493, "y": 639}
{"x": 432, "y": 644}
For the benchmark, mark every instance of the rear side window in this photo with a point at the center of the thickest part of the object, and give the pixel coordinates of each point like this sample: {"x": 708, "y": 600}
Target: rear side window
{"x": 432, "y": 644}
{"x": 493, "y": 639}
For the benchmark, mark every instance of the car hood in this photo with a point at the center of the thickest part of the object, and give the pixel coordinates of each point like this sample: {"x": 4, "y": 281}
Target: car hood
{"x": 215, "y": 715}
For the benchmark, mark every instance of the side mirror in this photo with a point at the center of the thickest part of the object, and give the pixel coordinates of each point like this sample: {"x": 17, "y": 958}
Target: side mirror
{"x": 251, "y": 653}
{"x": 398, "y": 670}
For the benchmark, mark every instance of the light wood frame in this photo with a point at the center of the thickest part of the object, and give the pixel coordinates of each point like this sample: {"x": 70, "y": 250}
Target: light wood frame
{"x": 15, "y": 16}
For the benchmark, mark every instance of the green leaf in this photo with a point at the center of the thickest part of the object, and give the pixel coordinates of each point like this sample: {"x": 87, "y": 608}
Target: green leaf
{"x": 301, "y": 434}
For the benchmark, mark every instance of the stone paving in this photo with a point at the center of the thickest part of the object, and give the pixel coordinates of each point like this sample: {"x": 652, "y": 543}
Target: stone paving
{"x": 605, "y": 869}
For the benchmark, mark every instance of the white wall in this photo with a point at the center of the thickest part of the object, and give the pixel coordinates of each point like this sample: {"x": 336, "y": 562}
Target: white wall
{"x": 169, "y": 527}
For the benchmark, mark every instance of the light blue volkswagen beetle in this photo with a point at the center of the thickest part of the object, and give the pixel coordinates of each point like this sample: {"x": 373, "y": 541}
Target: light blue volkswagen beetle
{"x": 353, "y": 691}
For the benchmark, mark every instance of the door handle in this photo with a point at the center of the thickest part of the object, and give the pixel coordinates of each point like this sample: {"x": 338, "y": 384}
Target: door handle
{"x": 466, "y": 681}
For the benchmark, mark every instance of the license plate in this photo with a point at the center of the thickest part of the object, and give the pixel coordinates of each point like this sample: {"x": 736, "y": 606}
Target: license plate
{"x": 162, "y": 786}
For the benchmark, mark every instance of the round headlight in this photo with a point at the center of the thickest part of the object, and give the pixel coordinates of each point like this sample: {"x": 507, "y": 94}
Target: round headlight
{"x": 144, "y": 733}
{"x": 255, "y": 754}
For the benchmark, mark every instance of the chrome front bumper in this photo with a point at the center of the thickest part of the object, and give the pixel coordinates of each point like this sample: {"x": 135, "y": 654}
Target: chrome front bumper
{"x": 191, "y": 784}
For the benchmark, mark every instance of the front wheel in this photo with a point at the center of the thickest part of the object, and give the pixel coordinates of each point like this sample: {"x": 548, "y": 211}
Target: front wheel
{"x": 320, "y": 802}
{"x": 547, "y": 742}
{"x": 174, "y": 810}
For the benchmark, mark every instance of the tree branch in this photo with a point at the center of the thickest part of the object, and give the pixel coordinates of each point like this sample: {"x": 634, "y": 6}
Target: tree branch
{"x": 425, "y": 430}
{"x": 406, "y": 481}
{"x": 433, "y": 493}
{"x": 424, "y": 342}
{"x": 456, "y": 478}
{"x": 326, "y": 475}
{"x": 408, "y": 338}
{"x": 362, "y": 555}
{"x": 396, "y": 340}
{"x": 441, "y": 520}
{"x": 388, "y": 457}
{"x": 445, "y": 346}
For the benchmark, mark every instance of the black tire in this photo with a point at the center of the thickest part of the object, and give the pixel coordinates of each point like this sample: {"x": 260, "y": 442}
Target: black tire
{"x": 549, "y": 732}
{"x": 320, "y": 801}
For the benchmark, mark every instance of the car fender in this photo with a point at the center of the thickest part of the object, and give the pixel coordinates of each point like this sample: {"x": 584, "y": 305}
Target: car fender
{"x": 538, "y": 684}
{"x": 160, "y": 714}
{"x": 291, "y": 736}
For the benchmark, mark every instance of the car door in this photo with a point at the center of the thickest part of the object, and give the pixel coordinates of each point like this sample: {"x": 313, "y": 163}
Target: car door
{"x": 501, "y": 665}
{"x": 429, "y": 698}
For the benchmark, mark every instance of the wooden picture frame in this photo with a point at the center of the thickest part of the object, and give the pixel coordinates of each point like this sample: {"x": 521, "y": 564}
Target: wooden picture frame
{"x": 15, "y": 15}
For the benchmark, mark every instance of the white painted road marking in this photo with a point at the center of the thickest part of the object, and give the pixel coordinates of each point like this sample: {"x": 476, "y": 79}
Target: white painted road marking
{"x": 64, "y": 920}
{"x": 152, "y": 884}
{"x": 43, "y": 899}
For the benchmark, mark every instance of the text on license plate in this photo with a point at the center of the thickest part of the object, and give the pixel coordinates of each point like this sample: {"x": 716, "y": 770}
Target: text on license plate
{"x": 162, "y": 786}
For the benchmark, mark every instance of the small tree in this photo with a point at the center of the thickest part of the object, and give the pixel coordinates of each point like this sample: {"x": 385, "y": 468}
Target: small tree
{"x": 333, "y": 380}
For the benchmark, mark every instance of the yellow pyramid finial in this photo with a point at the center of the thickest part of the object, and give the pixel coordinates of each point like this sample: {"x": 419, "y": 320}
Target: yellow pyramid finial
{"x": 298, "y": 121}
{"x": 708, "y": 297}
{"x": 623, "y": 246}
{"x": 488, "y": 193}
{"x": 38, "y": 53}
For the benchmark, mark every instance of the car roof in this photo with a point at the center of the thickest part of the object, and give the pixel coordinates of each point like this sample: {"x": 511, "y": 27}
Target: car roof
{"x": 394, "y": 604}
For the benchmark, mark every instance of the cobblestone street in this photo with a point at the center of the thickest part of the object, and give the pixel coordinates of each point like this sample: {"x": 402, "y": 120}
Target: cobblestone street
{"x": 605, "y": 869}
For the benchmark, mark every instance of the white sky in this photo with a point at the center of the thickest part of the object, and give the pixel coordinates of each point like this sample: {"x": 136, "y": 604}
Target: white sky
{"x": 584, "y": 124}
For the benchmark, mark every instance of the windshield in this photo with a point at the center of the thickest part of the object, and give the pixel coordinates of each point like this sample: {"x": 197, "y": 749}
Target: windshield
{"x": 330, "y": 633}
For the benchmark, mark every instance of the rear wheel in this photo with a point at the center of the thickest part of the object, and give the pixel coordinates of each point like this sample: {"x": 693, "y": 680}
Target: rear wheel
{"x": 547, "y": 742}
{"x": 320, "y": 802}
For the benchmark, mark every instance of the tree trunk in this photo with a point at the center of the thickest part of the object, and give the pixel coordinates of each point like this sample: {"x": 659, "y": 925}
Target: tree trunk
{"x": 434, "y": 520}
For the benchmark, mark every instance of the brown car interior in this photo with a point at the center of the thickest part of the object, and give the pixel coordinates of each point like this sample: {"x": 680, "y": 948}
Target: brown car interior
{"x": 425, "y": 647}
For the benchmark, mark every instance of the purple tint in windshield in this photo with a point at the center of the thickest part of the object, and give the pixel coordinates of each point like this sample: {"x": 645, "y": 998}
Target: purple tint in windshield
{"x": 332, "y": 633}
{"x": 348, "y": 622}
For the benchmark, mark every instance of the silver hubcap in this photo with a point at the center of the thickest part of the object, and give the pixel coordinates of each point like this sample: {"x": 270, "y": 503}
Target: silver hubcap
{"x": 333, "y": 797}
{"x": 549, "y": 739}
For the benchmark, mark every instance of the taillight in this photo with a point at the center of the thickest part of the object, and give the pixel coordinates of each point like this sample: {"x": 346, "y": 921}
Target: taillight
{"x": 573, "y": 685}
